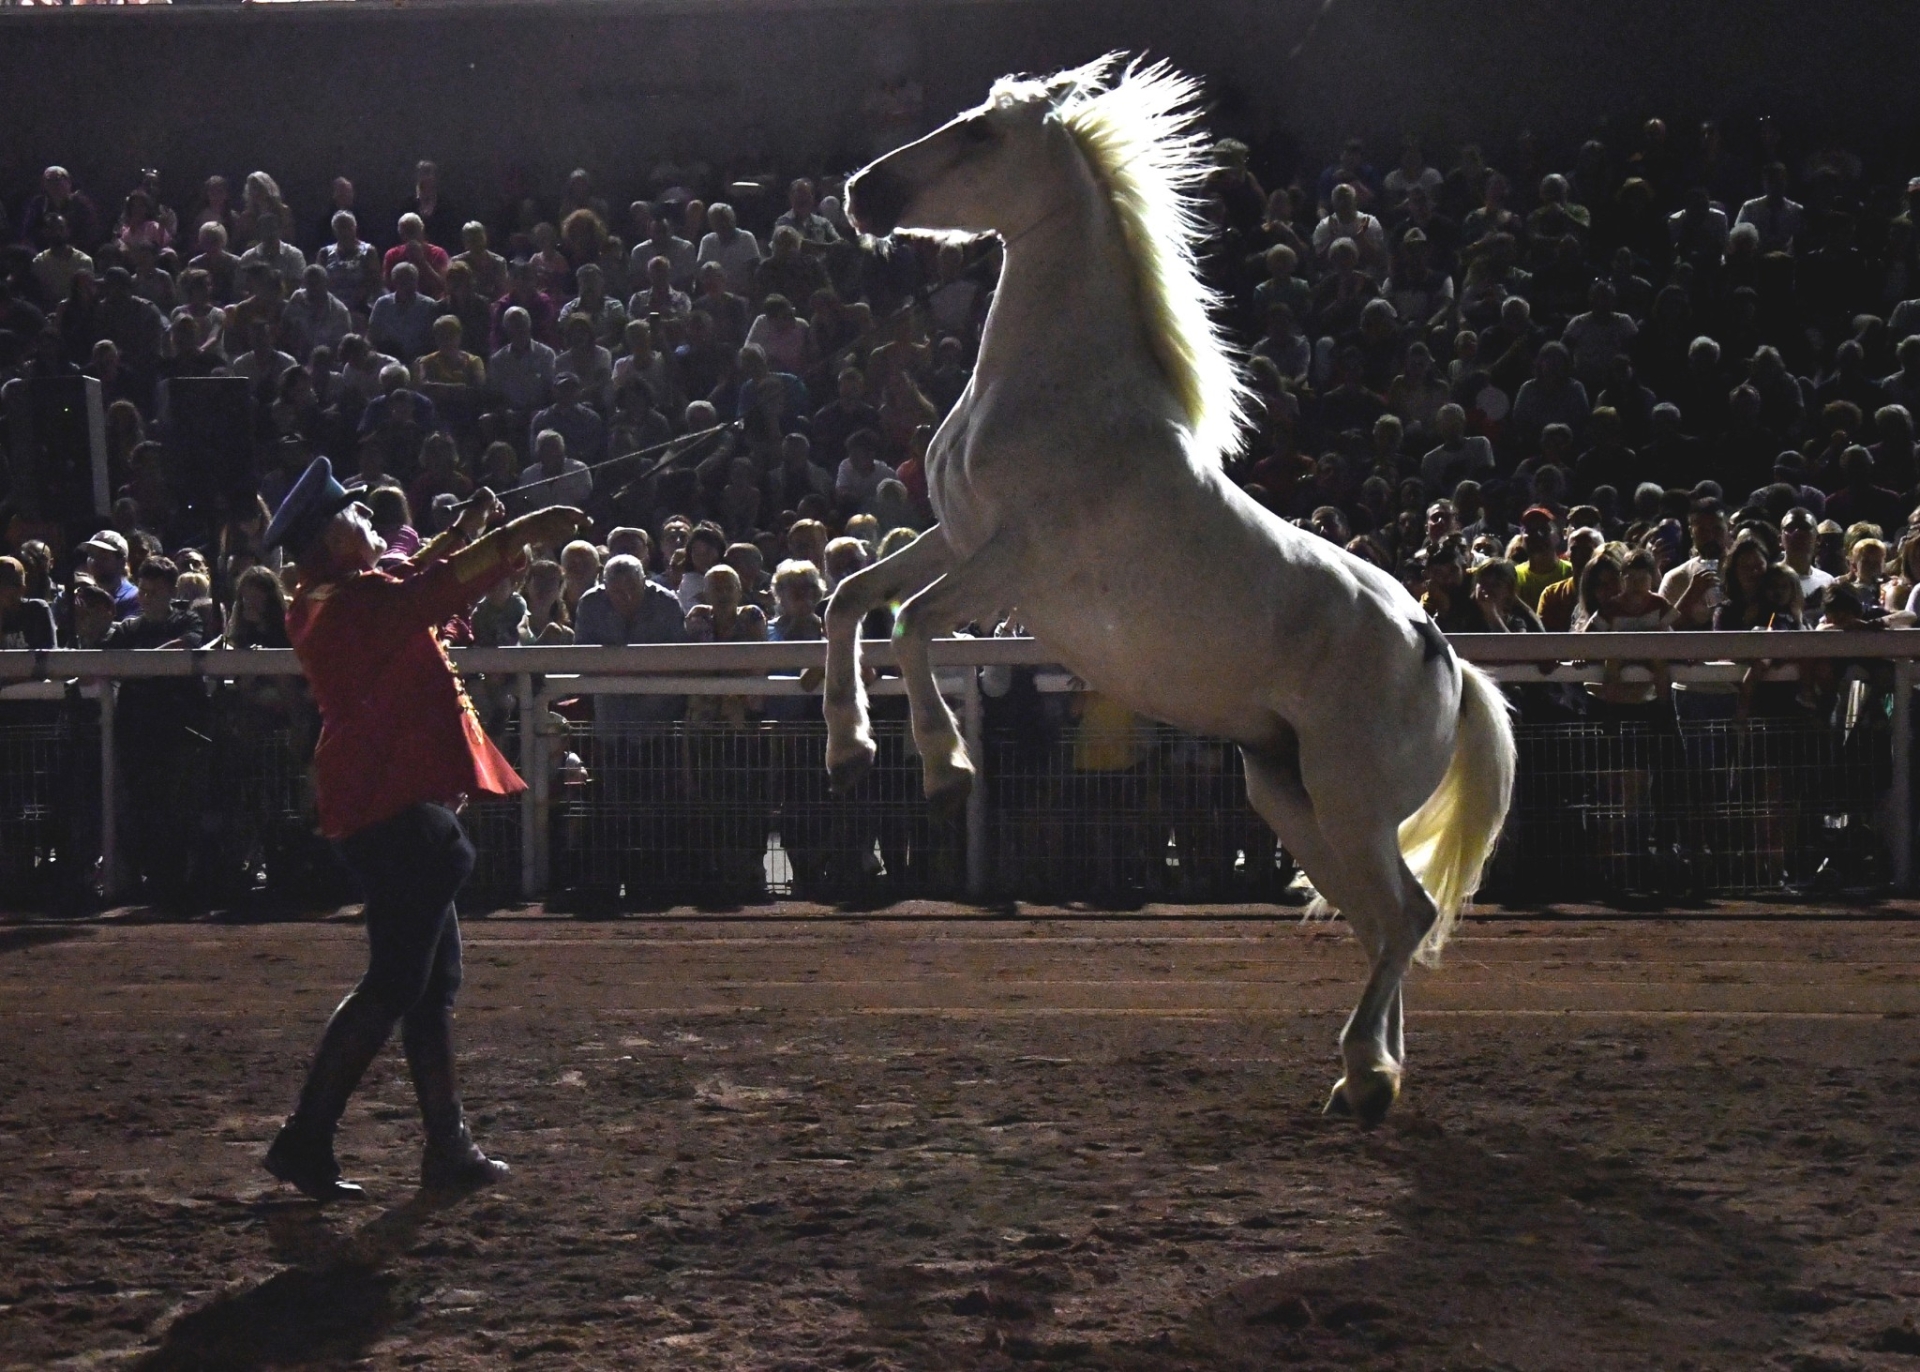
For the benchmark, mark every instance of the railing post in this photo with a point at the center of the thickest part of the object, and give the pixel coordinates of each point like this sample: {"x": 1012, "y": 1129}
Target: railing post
{"x": 529, "y": 806}
{"x": 109, "y": 790}
{"x": 974, "y": 719}
{"x": 1900, "y": 808}
{"x": 540, "y": 789}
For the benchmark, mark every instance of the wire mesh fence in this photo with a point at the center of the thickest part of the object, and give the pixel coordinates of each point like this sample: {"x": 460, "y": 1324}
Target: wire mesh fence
{"x": 738, "y": 810}
{"x": 49, "y": 801}
{"x": 665, "y": 812}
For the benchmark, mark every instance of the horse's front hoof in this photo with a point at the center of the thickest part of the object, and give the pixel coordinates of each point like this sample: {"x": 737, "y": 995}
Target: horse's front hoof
{"x": 844, "y": 774}
{"x": 1364, "y": 1096}
{"x": 947, "y": 793}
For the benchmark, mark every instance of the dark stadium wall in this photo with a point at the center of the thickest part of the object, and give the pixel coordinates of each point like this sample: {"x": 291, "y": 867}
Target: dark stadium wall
{"x": 505, "y": 89}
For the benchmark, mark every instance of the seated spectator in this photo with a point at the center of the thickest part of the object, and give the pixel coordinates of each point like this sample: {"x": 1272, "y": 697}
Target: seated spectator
{"x": 486, "y": 268}
{"x": 584, "y": 359}
{"x": 607, "y": 315}
{"x": 661, "y": 241}
{"x": 787, "y": 270}
{"x": 1285, "y": 346}
{"x": 724, "y": 308}
{"x": 558, "y": 478}
{"x": 782, "y": 336}
{"x": 198, "y": 308}
{"x": 352, "y": 265}
{"x": 659, "y": 296}
{"x": 396, "y": 406}
{"x": 1457, "y": 456}
{"x": 521, "y": 371}
{"x": 286, "y": 261}
{"x": 428, "y": 260}
{"x": 448, "y": 364}
{"x": 262, "y": 363}
{"x": 1345, "y": 219}
{"x": 732, "y": 247}
{"x": 363, "y": 372}
{"x": 860, "y": 473}
{"x": 525, "y": 293}
{"x": 575, "y": 421}
{"x": 401, "y": 322}
{"x": 314, "y": 317}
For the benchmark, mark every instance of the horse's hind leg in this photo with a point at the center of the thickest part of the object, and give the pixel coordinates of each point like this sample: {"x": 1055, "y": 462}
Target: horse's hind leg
{"x": 1364, "y": 878}
{"x": 850, "y": 749}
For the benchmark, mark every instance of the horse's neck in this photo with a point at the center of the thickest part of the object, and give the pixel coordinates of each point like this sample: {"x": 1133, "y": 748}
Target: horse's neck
{"x": 1067, "y": 301}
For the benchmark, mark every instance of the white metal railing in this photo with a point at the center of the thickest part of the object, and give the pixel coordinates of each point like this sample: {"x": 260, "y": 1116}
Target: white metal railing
{"x": 766, "y": 669}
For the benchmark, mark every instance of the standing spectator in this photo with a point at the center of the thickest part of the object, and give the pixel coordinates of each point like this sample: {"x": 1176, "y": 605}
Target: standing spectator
{"x": 1778, "y": 220}
{"x": 158, "y": 724}
{"x": 1797, "y": 535}
{"x": 24, "y": 622}
{"x": 627, "y": 608}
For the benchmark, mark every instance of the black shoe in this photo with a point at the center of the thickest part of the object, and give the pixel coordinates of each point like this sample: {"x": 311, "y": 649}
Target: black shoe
{"x": 302, "y": 1156}
{"x": 458, "y": 1166}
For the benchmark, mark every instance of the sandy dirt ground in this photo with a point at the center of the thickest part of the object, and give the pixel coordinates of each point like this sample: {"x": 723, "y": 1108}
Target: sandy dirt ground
{"x": 917, "y": 1139}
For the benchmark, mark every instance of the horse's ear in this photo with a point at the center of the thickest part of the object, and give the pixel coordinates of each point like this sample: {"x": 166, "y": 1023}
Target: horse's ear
{"x": 1086, "y": 80}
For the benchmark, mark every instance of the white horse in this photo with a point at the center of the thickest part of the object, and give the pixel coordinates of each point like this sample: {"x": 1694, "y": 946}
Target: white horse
{"x": 1079, "y": 479}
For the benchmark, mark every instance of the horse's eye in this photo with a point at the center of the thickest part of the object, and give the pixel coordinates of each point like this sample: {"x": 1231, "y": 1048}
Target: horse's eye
{"x": 977, "y": 130}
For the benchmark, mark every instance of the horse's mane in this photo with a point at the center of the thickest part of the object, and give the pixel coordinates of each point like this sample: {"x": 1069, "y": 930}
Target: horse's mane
{"x": 1141, "y": 137}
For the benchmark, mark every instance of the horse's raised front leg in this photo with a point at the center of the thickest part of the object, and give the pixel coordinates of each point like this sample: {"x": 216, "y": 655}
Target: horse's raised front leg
{"x": 849, "y": 741}
{"x": 977, "y": 588}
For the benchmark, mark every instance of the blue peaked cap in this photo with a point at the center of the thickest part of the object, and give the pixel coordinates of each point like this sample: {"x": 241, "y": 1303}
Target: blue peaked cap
{"x": 315, "y": 498}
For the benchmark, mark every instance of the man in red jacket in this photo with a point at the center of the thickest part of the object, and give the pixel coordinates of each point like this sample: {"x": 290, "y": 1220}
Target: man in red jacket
{"x": 400, "y": 750}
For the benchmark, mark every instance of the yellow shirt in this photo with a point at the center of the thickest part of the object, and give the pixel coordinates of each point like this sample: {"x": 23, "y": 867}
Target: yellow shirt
{"x": 1532, "y": 582}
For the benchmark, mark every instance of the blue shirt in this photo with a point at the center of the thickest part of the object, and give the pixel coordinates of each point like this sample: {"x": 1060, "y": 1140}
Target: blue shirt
{"x": 406, "y": 330}
{"x": 657, "y": 620}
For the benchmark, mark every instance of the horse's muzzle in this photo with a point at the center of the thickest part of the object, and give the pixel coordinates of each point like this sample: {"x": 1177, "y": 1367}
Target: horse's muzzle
{"x": 877, "y": 200}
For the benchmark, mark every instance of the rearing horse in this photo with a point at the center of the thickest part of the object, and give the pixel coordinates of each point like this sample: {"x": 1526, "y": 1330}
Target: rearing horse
{"x": 1093, "y": 429}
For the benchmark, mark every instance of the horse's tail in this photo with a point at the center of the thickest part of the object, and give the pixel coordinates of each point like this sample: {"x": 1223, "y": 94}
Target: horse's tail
{"x": 1448, "y": 840}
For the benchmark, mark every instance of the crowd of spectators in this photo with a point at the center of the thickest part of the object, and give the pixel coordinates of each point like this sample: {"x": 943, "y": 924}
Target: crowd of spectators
{"x": 1651, "y": 385}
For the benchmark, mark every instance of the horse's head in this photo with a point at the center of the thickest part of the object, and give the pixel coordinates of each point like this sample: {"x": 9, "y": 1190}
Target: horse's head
{"x": 990, "y": 168}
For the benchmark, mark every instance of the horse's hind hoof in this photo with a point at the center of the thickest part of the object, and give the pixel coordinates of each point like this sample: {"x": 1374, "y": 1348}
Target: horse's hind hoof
{"x": 1364, "y": 1097}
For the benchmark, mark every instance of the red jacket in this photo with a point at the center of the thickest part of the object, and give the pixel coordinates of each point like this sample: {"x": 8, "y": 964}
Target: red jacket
{"x": 396, "y": 725}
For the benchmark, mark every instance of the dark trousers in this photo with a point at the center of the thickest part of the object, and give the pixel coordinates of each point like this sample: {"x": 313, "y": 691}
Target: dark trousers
{"x": 409, "y": 868}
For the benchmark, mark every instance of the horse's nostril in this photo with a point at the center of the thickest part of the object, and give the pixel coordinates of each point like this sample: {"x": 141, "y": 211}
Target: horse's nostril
{"x": 877, "y": 198}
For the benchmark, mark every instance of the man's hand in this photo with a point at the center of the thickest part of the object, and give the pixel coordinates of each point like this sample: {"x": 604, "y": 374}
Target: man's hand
{"x": 480, "y": 511}
{"x": 552, "y": 527}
